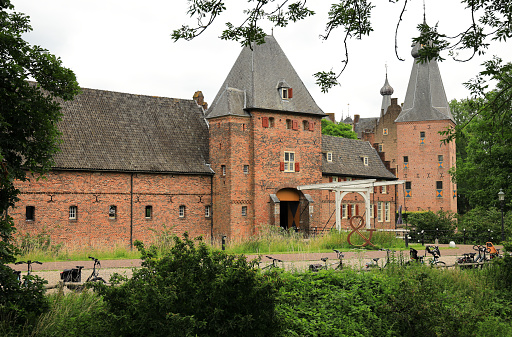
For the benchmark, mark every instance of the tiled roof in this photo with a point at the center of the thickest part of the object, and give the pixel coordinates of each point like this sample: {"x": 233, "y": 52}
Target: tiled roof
{"x": 258, "y": 74}
{"x": 347, "y": 159}
{"x": 425, "y": 99}
{"x": 111, "y": 131}
{"x": 364, "y": 124}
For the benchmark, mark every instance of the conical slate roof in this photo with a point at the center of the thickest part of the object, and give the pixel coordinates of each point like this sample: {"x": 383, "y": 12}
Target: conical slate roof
{"x": 254, "y": 82}
{"x": 425, "y": 99}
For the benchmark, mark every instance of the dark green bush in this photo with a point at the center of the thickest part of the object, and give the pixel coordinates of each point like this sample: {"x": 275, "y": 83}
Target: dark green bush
{"x": 191, "y": 291}
{"x": 20, "y": 304}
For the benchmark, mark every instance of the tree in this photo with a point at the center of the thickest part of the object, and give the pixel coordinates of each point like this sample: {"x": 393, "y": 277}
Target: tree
{"x": 337, "y": 129}
{"x": 491, "y": 21}
{"x": 484, "y": 163}
{"x": 29, "y": 112}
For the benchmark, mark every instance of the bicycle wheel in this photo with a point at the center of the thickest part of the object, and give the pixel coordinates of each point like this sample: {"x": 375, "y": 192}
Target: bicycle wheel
{"x": 441, "y": 262}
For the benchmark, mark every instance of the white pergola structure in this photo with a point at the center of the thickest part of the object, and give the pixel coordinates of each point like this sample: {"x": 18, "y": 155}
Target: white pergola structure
{"x": 342, "y": 188}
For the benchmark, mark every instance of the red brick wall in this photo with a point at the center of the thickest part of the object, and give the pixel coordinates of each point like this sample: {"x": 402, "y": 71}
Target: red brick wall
{"x": 94, "y": 193}
{"x": 423, "y": 170}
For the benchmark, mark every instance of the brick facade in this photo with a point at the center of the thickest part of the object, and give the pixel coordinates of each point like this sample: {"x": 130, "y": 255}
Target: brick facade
{"x": 94, "y": 192}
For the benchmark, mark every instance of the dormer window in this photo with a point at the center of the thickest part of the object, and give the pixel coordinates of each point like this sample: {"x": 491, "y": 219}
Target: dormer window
{"x": 284, "y": 90}
{"x": 365, "y": 161}
{"x": 329, "y": 156}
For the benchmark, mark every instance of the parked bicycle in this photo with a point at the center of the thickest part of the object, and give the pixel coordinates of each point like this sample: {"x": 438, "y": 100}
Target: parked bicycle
{"x": 436, "y": 254}
{"x": 414, "y": 257}
{"x": 273, "y": 264}
{"x": 29, "y": 271}
{"x": 72, "y": 275}
{"x": 314, "y": 267}
{"x": 95, "y": 272}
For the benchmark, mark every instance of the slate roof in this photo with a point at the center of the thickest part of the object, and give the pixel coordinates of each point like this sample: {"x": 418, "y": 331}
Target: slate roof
{"x": 256, "y": 77}
{"x": 347, "y": 159}
{"x": 112, "y": 131}
{"x": 364, "y": 124}
{"x": 425, "y": 99}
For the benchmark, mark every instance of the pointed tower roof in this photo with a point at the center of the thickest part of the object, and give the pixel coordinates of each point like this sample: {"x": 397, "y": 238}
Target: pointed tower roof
{"x": 255, "y": 80}
{"x": 386, "y": 91}
{"x": 425, "y": 99}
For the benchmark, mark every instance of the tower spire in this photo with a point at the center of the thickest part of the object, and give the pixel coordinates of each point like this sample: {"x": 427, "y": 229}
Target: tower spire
{"x": 386, "y": 91}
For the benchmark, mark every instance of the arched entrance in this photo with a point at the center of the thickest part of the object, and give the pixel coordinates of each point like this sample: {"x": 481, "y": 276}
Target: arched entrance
{"x": 289, "y": 208}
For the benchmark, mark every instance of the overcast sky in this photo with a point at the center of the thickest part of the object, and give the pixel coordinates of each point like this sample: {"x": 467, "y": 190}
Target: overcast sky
{"x": 126, "y": 46}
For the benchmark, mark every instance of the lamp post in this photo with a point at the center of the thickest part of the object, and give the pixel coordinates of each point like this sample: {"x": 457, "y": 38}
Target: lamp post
{"x": 501, "y": 196}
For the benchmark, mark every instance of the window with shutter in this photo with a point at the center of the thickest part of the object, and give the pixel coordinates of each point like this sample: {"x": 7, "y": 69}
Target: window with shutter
{"x": 295, "y": 124}
{"x": 311, "y": 126}
{"x": 281, "y": 166}
{"x": 290, "y": 92}
{"x": 264, "y": 122}
{"x": 297, "y": 167}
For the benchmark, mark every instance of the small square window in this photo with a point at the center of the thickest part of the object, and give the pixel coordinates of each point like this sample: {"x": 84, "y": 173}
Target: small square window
{"x": 271, "y": 122}
{"x": 246, "y": 169}
{"x": 149, "y": 212}
{"x": 182, "y": 211}
{"x": 289, "y": 124}
{"x": 407, "y": 185}
{"x": 30, "y": 213}
{"x": 334, "y": 179}
{"x": 73, "y": 210}
{"x": 284, "y": 93}
{"x": 440, "y": 157}
{"x": 207, "y": 211}
{"x": 329, "y": 156}
{"x": 244, "y": 210}
{"x": 439, "y": 185}
{"x": 422, "y": 134}
{"x": 112, "y": 212}
{"x": 305, "y": 125}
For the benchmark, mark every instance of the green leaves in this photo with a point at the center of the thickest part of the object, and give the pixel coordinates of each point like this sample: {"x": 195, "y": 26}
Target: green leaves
{"x": 337, "y": 129}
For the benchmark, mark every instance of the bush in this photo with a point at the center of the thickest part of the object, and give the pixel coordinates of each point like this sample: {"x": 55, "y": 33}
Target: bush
{"x": 20, "y": 304}
{"x": 191, "y": 290}
{"x": 440, "y": 223}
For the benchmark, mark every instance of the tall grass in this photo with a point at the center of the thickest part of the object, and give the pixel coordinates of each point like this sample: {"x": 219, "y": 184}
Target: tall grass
{"x": 271, "y": 239}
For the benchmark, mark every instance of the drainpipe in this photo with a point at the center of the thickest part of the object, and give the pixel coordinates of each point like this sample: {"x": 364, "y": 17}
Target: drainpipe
{"x": 211, "y": 209}
{"x": 131, "y": 211}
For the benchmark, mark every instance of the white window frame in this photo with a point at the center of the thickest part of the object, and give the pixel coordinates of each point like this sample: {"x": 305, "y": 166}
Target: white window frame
{"x": 284, "y": 93}
{"x": 334, "y": 179}
{"x": 150, "y": 208}
{"x": 246, "y": 169}
{"x": 384, "y": 189}
{"x": 182, "y": 211}
{"x": 73, "y": 211}
{"x": 289, "y": 161}
{"x": 379, "y": 211}
{"x": 207, "y": 211}
{"x": 344, "y": 214}
{"x": 353, "y": 207}
{"x": 387, "y": 211}
{"x": 365, "y": 161}
{"x": 329, "y": 156}
{"x": 223, "y": 168}
{"x": 371, "y": 210}
{"x": 244, "y": 210}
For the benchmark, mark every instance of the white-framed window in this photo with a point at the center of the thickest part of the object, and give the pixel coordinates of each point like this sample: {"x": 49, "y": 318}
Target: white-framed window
{"x": 353, "y": 209}
{"x": 349, "y": 179}
{"x": 73, "y": 211}
{"x": 387, "y": 209}
{"x": 286, "y": 93}
{"x": 384, "y": 189}
{"x": 329, "y": 156}
{"x": 379, "y": 211}
{"x": 244, "y": 210}
{"x": 30, "y": 213}
{"x": 371, "y": 211}
{"x": 289, "y": 161}
{"x": 223, "y": 169}
{"x": 112, "y": 212}
{"x": 365, "y": 161}
{"x": 182, "y": 211}
{"x": 344, "y": 214}
{"x": 207, "y": 211}
{"x": 246, "y": 169}
{"x": 148, "y": 212}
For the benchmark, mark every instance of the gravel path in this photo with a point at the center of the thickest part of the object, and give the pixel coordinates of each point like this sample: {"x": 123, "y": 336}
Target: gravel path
{"x": 294, "y": 261}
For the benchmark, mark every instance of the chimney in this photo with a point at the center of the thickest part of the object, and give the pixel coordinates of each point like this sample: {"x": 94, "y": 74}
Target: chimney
{"x": 331, "y": 117}
{"x": 356, "y": 119}
{"x": 199, "y": 98}
{"x": 394, "y": 101}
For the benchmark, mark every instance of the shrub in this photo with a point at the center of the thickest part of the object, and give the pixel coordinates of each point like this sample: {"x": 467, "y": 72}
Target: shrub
{"x": 191, "y": 290}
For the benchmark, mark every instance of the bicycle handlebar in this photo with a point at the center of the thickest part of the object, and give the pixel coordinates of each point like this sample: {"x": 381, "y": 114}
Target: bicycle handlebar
{"x": 274, "y": 259}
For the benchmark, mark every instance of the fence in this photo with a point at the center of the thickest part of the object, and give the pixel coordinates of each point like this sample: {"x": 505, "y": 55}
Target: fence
{"x": 460, "y": 237}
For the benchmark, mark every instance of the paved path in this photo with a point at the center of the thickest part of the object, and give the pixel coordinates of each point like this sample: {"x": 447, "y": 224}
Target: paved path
{"x": 292, "y": 261}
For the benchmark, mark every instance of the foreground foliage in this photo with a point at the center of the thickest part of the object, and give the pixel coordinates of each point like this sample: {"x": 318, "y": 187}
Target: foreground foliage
{"x": 192, "y": 290}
